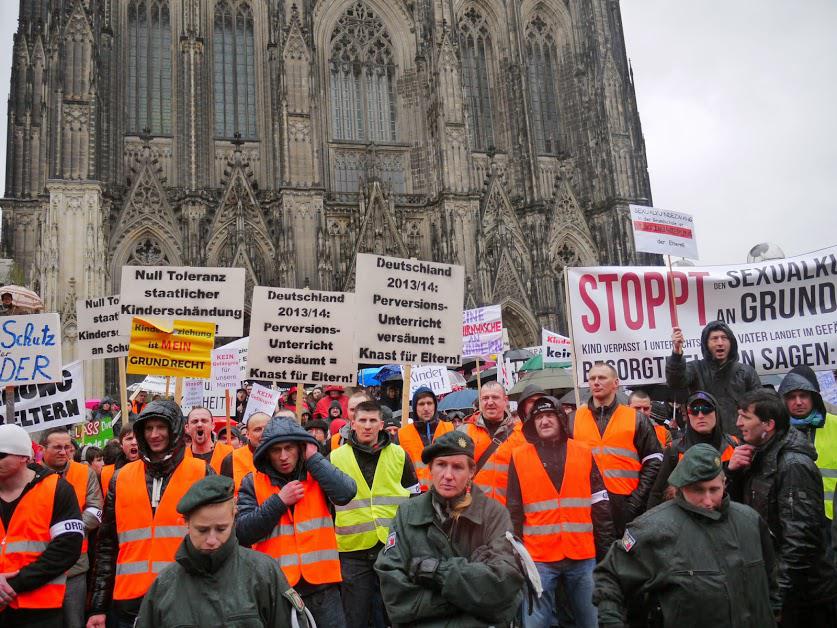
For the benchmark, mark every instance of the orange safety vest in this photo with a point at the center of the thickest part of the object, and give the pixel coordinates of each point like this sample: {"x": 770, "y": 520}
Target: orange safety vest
{"x": 410, "y": 441}
{"x": 106, "y": 477}
{"x": 556, "y": 525}
{"x": 614, "y": 451}
{"x": 27, "y": 538}
{"x": 219, "y": 452}
{"x": 493, "y": 478}
{"x": 663, "y": 435}
{"x": 242, "y": 459}
{"x": 303, "y": 540}
{"x": 148, "y": 541}
{"x": 77, "y": 477}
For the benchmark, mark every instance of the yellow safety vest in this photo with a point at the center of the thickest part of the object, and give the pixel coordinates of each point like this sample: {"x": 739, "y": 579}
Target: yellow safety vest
{"x": 826, "y": 443}
{"x": 365, "y": 520}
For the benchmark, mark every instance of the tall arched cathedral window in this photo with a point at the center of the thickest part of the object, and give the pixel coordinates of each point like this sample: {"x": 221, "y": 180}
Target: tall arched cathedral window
{"x": 362, "y": 78}
{"x": 149, "y": 67}
{"x": 542, "y": 67}
{"x": 477, "y": 57}
{"x": 234, "y": 67}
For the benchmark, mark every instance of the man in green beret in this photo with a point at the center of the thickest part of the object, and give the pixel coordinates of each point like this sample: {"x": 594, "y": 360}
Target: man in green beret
{"x": 447, "y": 560}
{"x": 697, "y": 560}
{"x": 215, "y": 582}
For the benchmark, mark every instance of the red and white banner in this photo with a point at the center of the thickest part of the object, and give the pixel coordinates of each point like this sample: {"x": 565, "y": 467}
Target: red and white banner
{"x": 783, "y": 313}
{"x": 663, "y": 231}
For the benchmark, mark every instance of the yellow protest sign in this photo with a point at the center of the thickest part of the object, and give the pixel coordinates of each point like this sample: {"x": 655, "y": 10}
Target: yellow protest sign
{"x": 181, "y": 349}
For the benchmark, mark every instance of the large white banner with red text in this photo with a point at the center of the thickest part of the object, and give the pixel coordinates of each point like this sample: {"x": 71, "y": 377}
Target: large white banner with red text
{"x": 783, "y": 313}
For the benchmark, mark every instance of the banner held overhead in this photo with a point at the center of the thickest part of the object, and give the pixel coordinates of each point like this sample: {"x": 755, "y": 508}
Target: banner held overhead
{"x": 185, "y": 293}
{"x": 411, "y": 309}
{"x": 183, "y": 349}
{"x": 782, "y": 313}
{"x": 30, "y": 349}
{"x": 663, "y": 231}
{"x": 302, "y": 336}
{"x": 98, "y": 329}
{"x": 41, "y": 406}
{"x": 482, "y": 331}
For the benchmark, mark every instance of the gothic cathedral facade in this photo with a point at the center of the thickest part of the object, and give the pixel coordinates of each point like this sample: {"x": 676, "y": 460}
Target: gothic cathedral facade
{"x": 286, "y": 136}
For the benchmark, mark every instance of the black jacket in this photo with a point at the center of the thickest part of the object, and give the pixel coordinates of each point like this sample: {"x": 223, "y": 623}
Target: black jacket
{"x": 727, "y": 382}
{"x": 553, "y": 456}
{"x": 784, "y": 486}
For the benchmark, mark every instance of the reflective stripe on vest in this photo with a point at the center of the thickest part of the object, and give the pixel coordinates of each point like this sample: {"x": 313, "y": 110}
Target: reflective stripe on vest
{"x": 493, "y": 477}
{"x": 76, "y": 475}
{"x": 303, "y": 541}
{"x": 556, "y": 525}
{"x": 410, "y": 441}
{"x": 365, "y": 521}
{"x": 242, "y": 465}
{"x": 614, "y": 451}
{"x": 26, "y": 538}
{"x": 825, "y": 441}
{"x": 148, "y": 541}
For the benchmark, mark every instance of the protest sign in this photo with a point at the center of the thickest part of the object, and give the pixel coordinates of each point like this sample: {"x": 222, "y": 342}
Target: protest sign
{"x": 781, "y": 311}
{"x": 182, "y": 349}
{"x": 154, "y": 384}
{"x": 226, "y": 371}
{"x": 240, "y": 347}
{"x": 94, "y": 432}
{"x": 192, "y": 394}
{"x": 214, "y": 295}
{"x": 30, "y": 349}
{"x": 261, "y": 399}
{"x": 203, "y": 395}
{"x": 556, "y": 348}
{"x": 410, "y": 311}
{"x": 302, "y": 336}
{"x": 41, "y": 406}
{"x": 431, "y": 376}
{"x": 98, "y": 329}
{"x": 482, "y": 331}
{"x": 828, "y": 386}
{"x": 663, "y": 231}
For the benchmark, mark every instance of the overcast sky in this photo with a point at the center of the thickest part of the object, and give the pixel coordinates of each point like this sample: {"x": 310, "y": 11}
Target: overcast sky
{"x": 737, "y": 101}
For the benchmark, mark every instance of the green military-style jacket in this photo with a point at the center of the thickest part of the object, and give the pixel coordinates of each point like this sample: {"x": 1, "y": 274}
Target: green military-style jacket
{"x": 694, "y": 568}
{"x": 479, "y": 580}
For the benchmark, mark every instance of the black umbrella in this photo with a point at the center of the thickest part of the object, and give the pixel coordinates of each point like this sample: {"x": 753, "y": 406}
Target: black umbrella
{"x": 518, "y": 355}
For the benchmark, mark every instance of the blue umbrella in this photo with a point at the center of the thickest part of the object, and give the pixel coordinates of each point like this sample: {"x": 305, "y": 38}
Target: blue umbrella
{"x": 459, "y": 400}
{"x": 389, "y": 372}
{"x": 369, "y": 377}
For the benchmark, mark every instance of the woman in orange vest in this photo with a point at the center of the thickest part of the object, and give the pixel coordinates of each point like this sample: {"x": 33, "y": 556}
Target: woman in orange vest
{"x": 559, "y": 506}
{"x": 702, "y": 426}
{"x": 283, "y": 511}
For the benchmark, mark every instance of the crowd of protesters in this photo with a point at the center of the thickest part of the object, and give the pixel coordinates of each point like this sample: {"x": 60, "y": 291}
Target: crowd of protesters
{"x": 621, "y": 511}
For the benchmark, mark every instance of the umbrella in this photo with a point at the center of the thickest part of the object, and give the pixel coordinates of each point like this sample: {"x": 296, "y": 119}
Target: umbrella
{"x": 24, "y": 299}
{"x": 459, "y": 400}
{"x": 536, "y": 363}
{"x": 518, "y": 355}
{"x": 551, "y": 380}
{"x": 369, "y": 377}
{"x": 92, "y": 404}
{"x": 390, "y": 373}
{"x": 456, "y": 379}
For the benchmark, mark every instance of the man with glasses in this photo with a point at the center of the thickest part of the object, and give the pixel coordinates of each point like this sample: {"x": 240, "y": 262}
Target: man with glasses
{"x": 58, "y": 452}
{"x": 42, "y": 533}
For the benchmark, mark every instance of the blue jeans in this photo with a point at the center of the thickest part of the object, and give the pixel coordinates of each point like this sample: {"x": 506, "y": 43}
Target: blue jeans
{"x": 577, "y": 576}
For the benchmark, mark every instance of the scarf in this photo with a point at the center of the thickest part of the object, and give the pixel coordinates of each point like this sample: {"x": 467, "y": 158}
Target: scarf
{"x": 200, "y": 563}
{"x": 815, "y": 419}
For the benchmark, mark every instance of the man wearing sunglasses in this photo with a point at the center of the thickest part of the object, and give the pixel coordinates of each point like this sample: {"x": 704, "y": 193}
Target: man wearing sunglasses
{"x": 42, "y": 533}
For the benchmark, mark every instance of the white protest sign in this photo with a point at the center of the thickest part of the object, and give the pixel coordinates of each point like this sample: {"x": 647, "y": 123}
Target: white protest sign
{"x": 482, "y": 331}
{"x": 409, "y": 311}
{"x": 663, "y": 231}
{"x": 782, "y": 313}
{"x": 155, "y": 384}
{"x": 261, "y": 399}
{"x": 185, "y": 293}
{"x": 556, "y": 348}
{"x": 431, "y": 376}
{"x": 192, "y": 394}
{"x": 226, "y": 370}
{"x": 302, "y": 336}
{"x": 30, "y": 349}
{"x": 41, "y": 406}
{"x": 240, "y": 347}
{"x": 828, "y": 386}
{"x": 98, "y": 329}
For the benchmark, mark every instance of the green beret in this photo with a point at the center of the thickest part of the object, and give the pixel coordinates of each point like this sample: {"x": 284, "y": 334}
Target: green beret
{"x": 450, "y": 444}
{"x": 213, "y": 489}
{"x": 700, "y": 463}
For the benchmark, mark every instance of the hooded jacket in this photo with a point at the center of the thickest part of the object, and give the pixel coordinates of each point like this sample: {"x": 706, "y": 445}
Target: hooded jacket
{"x": 784, "y": 486}
{"x": 671, "y": 454}
{"x": 159, "y": 472}
{"x": 727, "y": 382}
{"x": 804, "y": 378}
{"x": 425, "y": 429}
{"x": 553, "y": 456}
{"x": 255, "y": 522}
